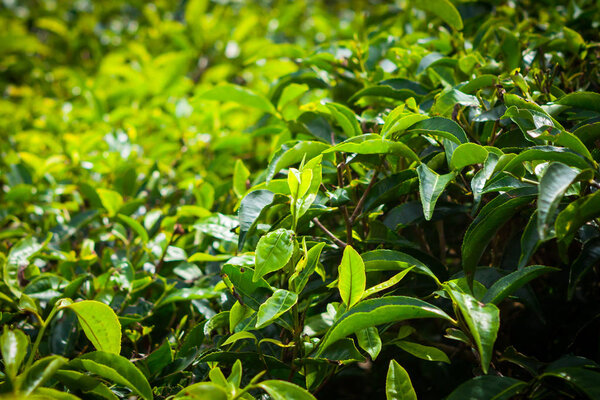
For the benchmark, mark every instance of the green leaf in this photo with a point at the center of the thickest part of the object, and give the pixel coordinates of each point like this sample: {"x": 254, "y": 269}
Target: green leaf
{"x": 18, "y": 257}
{"x": 345, "y": 118}
{"x": 376, "y": 312}
{"x": 387, "y": 189}
{"x": 13, "y": 345}
{"x": 240, "y": 176}
{"x": 483, "y": 321}
{"x": 111, "y": 201}
{"x": 396, "y": 88}
{"x": 392, "y": 260}
{"x": 490, "y": 387}
{"x": 547, "y": 153}
{"x": 588, "y": 133}
{"x": 239, "y": 336}
{"x": 369, "y": 341}
{"x": 374, "y": 144}
{"x": 159, "y": 358}
{"x": 204, "y": 257}
{"x": 400, "y": 123}
{"x": 251, "y": 207}
{"x": 481, "y": 177}
{"x": 275, "y": 306}
{"x": 583, "y": 100}
{"x": 448, "y": 98}
{"x": 273, "y": 251}
{"x": 467, "y": 154}
{"x": 238, "y": 95}
{"x": 100, "y": 324}
{"x": 289, "y": 155}
{"x": 444, "y": 9}
{"x": 252, "y": 292}
{"x": 397, "y": 383}
{"x": 508, "y": 284}
{"x": 39, "y": 373}
{"x": 282, "y": 390}
{"x": 387, "y": 284}
{"x": 490, "y": 219}
{"x": 352, "y": 277}
{"x": 428, "y": 353}
{"x": 135, "y": 226}
{"x": 305, "y": 268}
{"x": 530, "y": 240}
{"x": 51, "y": 394}
{"x": 116, "y": 369}
{"x": 576, "y": 214}
{"x": 343, "y": 351}
{"x": 431, "y": 186}
{"x": 203, "y": 391}
{"x": 585, "y": 380}
{"x": 237, "y": 314}
{"x": 554, "y": 183}
{"x": 587, "y": 259}
{"x": 235, "y": 377}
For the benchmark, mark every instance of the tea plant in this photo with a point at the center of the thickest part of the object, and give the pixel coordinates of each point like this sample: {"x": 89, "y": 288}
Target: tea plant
{"x": 238, "y": 200}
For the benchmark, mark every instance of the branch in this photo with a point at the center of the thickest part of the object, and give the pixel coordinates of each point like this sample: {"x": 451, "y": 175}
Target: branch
{"x": 328, "y": 233}
{"x": 362, "y": 199}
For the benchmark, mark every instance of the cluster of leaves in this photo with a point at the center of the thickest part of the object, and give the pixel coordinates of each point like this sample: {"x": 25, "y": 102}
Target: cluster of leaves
{"x": 229, "y": 200}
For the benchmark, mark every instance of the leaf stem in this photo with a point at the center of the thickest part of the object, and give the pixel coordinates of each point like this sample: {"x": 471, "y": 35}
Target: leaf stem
{"x": 38, "y": 339}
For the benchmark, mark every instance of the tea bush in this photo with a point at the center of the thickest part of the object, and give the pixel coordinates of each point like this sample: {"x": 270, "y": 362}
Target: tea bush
{"x": 297, "y": 200}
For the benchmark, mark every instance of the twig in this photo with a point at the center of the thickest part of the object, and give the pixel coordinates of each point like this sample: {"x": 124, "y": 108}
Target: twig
{"x": 362, "y": 199}
{"x": 337, "y": 241}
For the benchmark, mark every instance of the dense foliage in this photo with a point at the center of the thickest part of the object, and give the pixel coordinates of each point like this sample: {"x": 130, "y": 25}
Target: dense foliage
{"x": 289, "y": 200}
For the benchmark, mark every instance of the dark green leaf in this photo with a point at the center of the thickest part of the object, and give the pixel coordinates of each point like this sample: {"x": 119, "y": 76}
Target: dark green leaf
{"x": 431, "y": 186}
{"x": 273, "y": 251}
{"x": 116, "y": 369}
{"x": 376, "y": 312}
{"x": 508, "y": 284}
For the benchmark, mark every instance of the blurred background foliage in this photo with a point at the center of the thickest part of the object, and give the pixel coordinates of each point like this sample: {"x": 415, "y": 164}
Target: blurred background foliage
{"x": 108, "y": 97}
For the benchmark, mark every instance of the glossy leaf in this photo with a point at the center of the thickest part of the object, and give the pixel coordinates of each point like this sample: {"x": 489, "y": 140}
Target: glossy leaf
{"x": 431, "y": 186}
{"x": 397, "y": 383}
{"x": 488, "y": 222}
{"x": 488, "y": 387}
{"x": 374, "y": 144}
{"x": 202, "y": 391}
{"x": 376, "y": 312}
{"x": 554, "y": 183}
{"x": 576, "y": 214}
{"x": 467, "y": 154}
{"x": 272, "y": 252}
{"x": 39, "y": 373}
{"x": 282, "y": 390}
{"x": 116, "y": 369}
{"x": 305, "y": 268}
{"x": 99, "y": 323}
{"x": 428, "y": 353}
{"x": 508, "y": 284}
{"x": 483, "y": 321}
{"x": 275, "y": 306}
{"x": 387, "y": 284}
{"x": 351, "y": 277}
{"x": 289, "y": 155}
{"x": 13, "y": 345}
{"x": 369, "y": 341}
